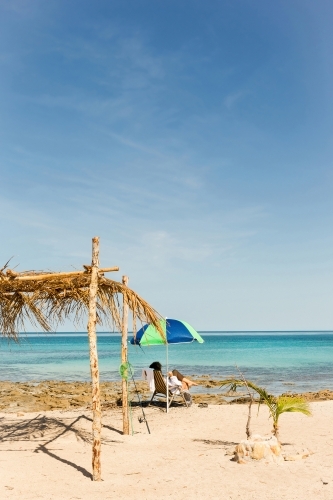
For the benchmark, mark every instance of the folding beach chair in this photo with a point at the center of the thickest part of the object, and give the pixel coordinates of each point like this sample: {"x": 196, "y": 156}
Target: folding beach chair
{"x": 161, "y": 390}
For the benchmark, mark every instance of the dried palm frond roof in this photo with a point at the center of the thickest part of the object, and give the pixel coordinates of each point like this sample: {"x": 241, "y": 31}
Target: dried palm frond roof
{"x": 45, "y": 299}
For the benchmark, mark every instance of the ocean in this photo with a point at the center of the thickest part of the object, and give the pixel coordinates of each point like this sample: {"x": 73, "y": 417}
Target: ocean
{"x": 279, "y": 361}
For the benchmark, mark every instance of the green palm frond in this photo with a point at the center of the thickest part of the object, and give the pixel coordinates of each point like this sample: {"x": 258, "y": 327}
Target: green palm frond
{"x": 233, "y": 384}
{"x": 276, "y": 405}
{"x": 292, "y": 404}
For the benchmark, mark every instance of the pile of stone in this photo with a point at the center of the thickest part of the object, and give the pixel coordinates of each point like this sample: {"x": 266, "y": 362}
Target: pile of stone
{"x": 258, "y": 448}
{"x": 263, "y": 448}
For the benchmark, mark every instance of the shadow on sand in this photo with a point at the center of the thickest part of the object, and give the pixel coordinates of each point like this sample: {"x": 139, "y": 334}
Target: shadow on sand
{"x": 215, "y": 442}
{"x": 46, "y": 430}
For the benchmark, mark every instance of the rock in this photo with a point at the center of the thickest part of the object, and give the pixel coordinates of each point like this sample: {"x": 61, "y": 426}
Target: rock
{"x": 292, "y": 455}
{"x": 259, "y": 451}
{"x": 230, "y": 451}
{"x": 276, "y": 449}
{"x": 293, "y": 458}
{"x": 258, "y": 448}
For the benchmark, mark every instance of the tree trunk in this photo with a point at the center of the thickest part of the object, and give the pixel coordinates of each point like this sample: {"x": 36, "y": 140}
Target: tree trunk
{"x": 96, "y": 402}
{"x": 124, "y": 328}
{"x": 248, "y": 430}
{"x": 276, "y": 431}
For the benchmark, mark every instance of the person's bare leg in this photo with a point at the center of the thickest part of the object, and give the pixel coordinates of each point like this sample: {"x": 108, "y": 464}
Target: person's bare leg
{"x": 188, "y": 382}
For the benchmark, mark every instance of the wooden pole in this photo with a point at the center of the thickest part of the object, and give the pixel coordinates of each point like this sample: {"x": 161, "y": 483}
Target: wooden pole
{"x": 96, "y": 402}
{"x": 49, "y": 276}
{"x": 124, "y": 329}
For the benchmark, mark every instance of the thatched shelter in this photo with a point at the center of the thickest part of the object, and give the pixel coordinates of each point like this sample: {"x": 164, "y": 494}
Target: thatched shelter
{"x": 45, "y": 300}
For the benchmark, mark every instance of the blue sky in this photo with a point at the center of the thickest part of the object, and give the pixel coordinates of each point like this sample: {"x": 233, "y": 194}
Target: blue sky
{"x": 193, "y": 137}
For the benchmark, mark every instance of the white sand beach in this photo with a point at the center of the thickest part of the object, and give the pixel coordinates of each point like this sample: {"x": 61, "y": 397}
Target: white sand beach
{"x": 48, "y": 455}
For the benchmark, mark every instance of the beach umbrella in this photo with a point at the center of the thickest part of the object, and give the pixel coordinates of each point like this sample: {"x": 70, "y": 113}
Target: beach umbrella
{"x": 175, "y": 332}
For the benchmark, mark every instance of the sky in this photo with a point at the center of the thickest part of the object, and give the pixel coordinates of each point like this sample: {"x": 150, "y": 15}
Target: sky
{"x": 193, "y": 137}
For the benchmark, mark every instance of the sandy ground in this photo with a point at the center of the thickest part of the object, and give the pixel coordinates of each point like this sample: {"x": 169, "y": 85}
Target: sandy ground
{"x": 47, "y": 455}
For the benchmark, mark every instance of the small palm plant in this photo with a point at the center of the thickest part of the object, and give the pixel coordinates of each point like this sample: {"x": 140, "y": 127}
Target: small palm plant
{"x": 287, "y": 404}
{"x": 276, "y": 405}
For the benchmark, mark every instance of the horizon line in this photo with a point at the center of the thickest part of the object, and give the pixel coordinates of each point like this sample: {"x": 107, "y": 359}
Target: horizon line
{"x": 199, "y": 331}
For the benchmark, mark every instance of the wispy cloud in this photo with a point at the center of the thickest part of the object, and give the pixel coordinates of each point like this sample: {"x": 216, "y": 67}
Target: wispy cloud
{"x": 135, "y": 145}
{"x": 233, "y": 98}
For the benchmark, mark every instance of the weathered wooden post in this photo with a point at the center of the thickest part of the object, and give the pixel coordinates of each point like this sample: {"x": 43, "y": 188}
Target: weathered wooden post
{"x": 96, "y": 400}
{"x": 124, "y": 329}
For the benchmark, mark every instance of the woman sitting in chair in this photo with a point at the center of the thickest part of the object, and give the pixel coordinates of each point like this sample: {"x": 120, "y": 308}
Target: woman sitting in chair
{"x": 175, "y": 378}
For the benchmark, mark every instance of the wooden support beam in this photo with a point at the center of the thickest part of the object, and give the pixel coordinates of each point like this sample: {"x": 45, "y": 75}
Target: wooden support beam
{"x": 124, "y": 329}
{"x": 96, "y": 400}
{"x": 33, "y": 277}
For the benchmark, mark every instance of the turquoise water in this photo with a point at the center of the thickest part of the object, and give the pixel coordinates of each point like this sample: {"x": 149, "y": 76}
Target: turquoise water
{"x": 280, "y": 361}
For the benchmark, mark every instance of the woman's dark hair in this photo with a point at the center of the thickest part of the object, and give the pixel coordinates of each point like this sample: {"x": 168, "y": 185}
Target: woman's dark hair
{"x": 156, "y": 365}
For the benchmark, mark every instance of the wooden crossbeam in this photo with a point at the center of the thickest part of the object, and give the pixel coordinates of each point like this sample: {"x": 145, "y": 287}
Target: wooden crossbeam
{"x": 34, "y": 277}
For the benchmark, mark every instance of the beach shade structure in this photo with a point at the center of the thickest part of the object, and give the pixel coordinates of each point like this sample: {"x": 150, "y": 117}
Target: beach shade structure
{"x": 47, "y": 299}
{"x": 175, "y": 332}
